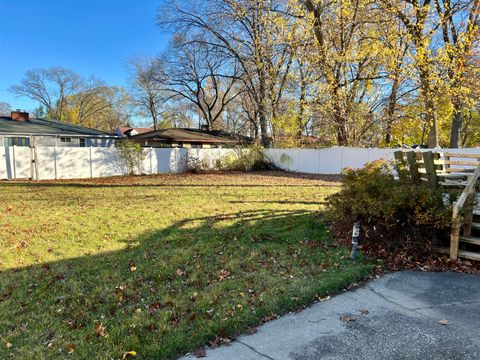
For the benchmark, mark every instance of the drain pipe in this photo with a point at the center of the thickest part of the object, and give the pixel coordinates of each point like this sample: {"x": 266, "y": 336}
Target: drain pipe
{"x": 355, "y": 238}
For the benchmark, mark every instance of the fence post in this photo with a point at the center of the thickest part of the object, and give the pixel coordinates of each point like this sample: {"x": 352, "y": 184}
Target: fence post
{"x": 90, "y": 162}
{"x": 151, "y": 165}
{"x": 55, "y": 160}
{"x": 14, "y": 162}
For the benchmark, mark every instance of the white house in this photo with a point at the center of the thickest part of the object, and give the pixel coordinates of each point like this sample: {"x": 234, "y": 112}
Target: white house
{"x": 21, "y": 130}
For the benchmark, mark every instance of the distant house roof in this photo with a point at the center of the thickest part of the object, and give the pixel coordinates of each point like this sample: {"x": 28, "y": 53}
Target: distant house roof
{"x": 46, "y": 127}
{"x": 130, "y": 131}
{"x": 189, "y": 135}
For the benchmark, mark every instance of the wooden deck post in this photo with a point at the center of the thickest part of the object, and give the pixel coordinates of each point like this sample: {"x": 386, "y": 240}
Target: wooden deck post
{"x": 400, "y": 165}
{"x": 430, "y": 169}
{"x": 412, "y": 164}
{"x": 467, "y": 223}
{"x": 455, "y": 234}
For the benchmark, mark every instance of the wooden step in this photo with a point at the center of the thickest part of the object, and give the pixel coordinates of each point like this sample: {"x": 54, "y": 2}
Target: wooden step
{"x": 461, "y": 253}
{"x": 470, "y": 240}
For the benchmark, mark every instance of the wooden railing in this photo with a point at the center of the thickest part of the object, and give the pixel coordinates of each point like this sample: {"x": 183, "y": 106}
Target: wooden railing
{"x": 458, "y": 208}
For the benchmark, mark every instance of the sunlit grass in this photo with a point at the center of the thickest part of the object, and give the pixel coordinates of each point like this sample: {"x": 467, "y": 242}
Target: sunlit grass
{"x": 158, "y": 265}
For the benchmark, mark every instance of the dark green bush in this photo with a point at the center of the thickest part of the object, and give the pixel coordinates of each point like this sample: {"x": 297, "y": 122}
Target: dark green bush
{"x": 394, "y": 213}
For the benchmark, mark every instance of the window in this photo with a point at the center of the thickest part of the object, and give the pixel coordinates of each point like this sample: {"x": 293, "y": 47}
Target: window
{"x": 17, "y": 141}
{"x": 65, "y": 140}
{"x": 82, "y": 142}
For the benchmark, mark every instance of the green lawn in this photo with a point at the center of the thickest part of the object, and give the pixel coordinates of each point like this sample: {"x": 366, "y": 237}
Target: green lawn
{"x": 159, "y": 265}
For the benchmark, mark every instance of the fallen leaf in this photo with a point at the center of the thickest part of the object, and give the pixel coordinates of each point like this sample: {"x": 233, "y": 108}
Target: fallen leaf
{"x": 347, "y": 318}
{"x": 364, "y": 311}
{"x": 128, "y": 354}
{"x": 9, "y": 345}
{"x": 223, "y": 274}
{"x": 251, "y": 331}
{"x": 71, "y": 348}
{"x": 100, "y": 330}
{"x": 200, "y": 352}
{"x": 444, "y": 322}
{"x": 180, "y": 272}
{"x": 133, "y": 268}
{"x": 326, "y": 298}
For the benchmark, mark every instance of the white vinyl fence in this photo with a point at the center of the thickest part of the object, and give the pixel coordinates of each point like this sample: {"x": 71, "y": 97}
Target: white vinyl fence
{"x": 76, "y": 162}
{"x": 91, "y": 162}
{"x": 331, "y": 161}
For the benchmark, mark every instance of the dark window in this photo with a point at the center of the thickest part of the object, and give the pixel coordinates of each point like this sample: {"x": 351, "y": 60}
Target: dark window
{"x": 65, "y": 140}
{"x": 196, "y": 146}
{"x": 82, "y": 142}
{"x": 17, "y": 141}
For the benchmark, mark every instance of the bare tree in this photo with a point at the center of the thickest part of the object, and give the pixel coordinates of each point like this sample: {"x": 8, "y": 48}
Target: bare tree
{"x": 145, "y": 88}
{"x": 50, "y": 87}
{"x": 203, "y": 75}
{"x": 92, "y": 98}
{"x": 247, "y": 32}
{"x": 5, "y": 108}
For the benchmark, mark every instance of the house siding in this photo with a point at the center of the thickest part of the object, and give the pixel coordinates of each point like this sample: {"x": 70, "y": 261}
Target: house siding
{"x": 55, "y": 141}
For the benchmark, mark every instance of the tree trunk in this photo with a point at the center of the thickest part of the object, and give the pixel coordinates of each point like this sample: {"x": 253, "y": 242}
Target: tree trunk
{"x": 431, "y": 119}
{"x": 392, "y": 102}
{"x": 457, "y": 123}
{"x": 262, "y": 118}
{"x": 341, "y": 126}
{"x": 153, "y": 113}
{"x": 262, "y": 111}
{"x": 432, "y": 122}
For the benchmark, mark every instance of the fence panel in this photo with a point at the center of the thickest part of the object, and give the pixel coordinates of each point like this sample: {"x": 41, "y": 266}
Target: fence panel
{"x": 354, "y": 158}
{"x": 4, "y": 171}
{"x": 72, "y": 162}
{"x": 106, "y": 162}
{"x": 46, "y": 163}
{"x": 308, "y": 161}
{"x": 330, "y": 161}
{"x": 22, "y": 159}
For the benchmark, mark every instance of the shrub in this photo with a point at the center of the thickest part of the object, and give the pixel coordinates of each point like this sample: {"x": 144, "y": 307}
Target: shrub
{"x": 246, "y": 159}
{"x": 393, "y": 213}
{"x": 239, "y": 159}
{"x": 131, "y": 155}
{"x": 196, "y": 165}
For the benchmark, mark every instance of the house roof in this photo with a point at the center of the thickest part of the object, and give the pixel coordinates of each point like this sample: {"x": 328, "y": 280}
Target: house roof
{"x": 187, "y": 135}
{"x": 46, "y": 127}
{"x": 140, "y": 130}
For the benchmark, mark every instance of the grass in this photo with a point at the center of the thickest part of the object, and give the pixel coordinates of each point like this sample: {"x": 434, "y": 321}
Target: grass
{"x": 159, "y": 265}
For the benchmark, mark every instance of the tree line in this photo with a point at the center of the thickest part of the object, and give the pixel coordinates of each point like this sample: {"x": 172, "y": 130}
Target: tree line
{"x": 342, "y": 72}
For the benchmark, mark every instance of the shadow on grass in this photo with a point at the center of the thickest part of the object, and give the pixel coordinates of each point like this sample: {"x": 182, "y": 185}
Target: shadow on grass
{"x": 170, "y": 290}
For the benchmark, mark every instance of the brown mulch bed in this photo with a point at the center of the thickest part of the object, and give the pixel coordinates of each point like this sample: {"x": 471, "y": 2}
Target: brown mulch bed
{"x": 397, "y": 259}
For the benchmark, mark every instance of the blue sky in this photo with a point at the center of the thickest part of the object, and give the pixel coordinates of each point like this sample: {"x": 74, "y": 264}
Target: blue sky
{"x": 88, "y": 36}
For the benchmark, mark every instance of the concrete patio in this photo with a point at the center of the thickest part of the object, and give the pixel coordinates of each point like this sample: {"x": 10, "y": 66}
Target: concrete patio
{"x": 403, "y": 315}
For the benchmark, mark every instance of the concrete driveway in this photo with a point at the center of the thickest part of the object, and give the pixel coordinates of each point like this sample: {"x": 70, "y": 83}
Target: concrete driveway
{"x": 394, "y": 317}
